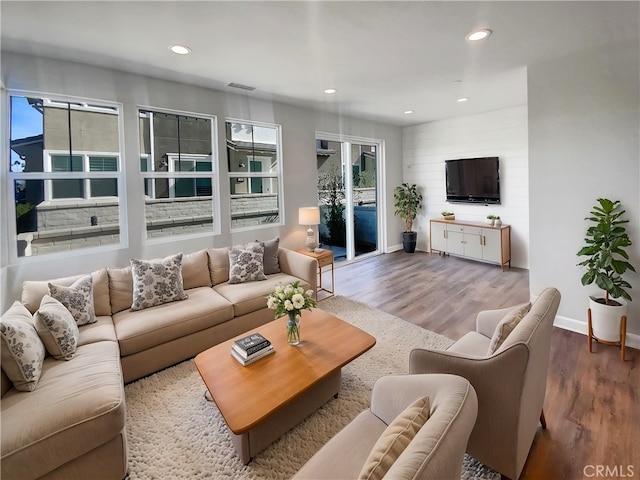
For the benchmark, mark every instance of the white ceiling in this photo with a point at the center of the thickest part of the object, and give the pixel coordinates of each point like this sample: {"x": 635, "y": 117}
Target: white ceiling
{"x": 383, "y": 57}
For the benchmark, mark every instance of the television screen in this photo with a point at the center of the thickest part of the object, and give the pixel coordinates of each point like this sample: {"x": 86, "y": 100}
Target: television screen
{"x": 473, "y": 180}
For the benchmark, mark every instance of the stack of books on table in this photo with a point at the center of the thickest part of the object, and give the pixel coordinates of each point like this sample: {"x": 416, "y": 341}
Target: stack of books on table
{"x": 253, "y": 347}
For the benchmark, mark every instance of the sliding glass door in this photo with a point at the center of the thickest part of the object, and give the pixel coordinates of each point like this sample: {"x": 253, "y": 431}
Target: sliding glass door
{"x": 348, "y": 195}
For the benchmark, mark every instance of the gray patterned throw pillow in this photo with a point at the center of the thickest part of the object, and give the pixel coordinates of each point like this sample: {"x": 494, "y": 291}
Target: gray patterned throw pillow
{"x": 57, "y": 328}
{"x": 22, "y": 350}
{"x": 156, "y": 282}
{"x": 246, "y": 264}
{"x": 78, "y": 299}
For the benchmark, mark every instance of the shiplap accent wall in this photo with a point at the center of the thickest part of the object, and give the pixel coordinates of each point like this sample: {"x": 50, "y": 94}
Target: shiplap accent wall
{"x": 501, "y": 133}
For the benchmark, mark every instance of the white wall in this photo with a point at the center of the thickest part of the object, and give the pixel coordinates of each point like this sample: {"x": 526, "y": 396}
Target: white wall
{"x": 299, "y": 126}
{"x": 583, "y": 144}
{"x": 501, "y": 133}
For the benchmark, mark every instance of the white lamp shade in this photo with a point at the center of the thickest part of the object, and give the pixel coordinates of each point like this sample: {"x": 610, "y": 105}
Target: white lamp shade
{"x": 309, "y": 215}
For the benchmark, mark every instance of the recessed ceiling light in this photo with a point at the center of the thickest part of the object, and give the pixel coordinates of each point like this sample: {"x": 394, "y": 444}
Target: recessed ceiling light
{"x": 180, "y": 49}
{"x": 408, "y": 112}
{"x": 479, "y": 35}
{"x": 462, "y": 100}
{"x": 330, "y": 90}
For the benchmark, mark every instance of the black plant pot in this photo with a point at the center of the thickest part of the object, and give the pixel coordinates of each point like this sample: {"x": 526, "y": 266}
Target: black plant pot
{"x": 409, "y": 241}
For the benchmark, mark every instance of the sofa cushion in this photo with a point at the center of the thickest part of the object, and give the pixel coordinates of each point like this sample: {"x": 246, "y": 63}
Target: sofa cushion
{"x": 218, "y": 265}
{"x": 22, "y": 350}
{"x": 395, "y": 439}
{"x": 120, "y": 288}
{"x": 157, "y": 281}
{"x": 33, "y": 291}
{"x": 250, "y": 297}
{"x": 246, "y": 264}
{"x": 270, "y": 259}
{"x": 506, "y": 326}
{"x": 100, "y": 331}
{"x": 57, "y": 328}
{"x": 77, "y": 298}
{"x": 195, "y": 270}
{"x": 77, "y": 407}
{"x": 140, "y": 330}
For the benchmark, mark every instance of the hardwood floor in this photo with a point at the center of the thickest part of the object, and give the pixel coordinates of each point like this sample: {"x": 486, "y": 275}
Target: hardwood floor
{"x": 592, "y": 403}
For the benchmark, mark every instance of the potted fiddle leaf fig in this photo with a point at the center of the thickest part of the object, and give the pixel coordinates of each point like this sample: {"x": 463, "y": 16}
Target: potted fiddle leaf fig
{"x": 606, "y": 263}
{"x": 408, "y": 200}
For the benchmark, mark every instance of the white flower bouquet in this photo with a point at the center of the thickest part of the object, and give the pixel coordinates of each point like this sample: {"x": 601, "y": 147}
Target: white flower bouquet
{"x": 290, "y": 300}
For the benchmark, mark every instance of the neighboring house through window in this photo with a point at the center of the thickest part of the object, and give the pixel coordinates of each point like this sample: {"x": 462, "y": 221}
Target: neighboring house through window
{"x": 255, "y": 174}
{"x": 66, "y": 172}
{"x": 178, "y": 166}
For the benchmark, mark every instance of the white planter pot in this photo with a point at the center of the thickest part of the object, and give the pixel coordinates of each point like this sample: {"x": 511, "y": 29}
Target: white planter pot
{"x": 605, "y": 319}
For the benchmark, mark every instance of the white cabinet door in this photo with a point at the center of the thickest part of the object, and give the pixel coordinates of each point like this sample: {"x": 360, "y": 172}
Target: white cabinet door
{"x": 455, "y": 242}
{"x": 438, "y": 236}
{"x": 492, "y": 248}
{"x": 473, "y": 246}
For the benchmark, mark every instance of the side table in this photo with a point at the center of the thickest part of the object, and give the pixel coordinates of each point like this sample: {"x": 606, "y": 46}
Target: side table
{"x": 325, "y": 259}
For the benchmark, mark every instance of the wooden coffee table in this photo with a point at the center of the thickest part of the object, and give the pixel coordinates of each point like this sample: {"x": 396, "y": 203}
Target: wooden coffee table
{"x": 263, "y": 400}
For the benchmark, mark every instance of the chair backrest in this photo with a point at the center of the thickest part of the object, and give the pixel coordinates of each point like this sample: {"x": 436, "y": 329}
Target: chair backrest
{"x": 534, "y": 330}
{"x": 438, "y": 448}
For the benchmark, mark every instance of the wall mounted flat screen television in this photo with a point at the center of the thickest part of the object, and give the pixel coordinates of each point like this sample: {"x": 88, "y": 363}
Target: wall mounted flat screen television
{"x": 473, "y": 180}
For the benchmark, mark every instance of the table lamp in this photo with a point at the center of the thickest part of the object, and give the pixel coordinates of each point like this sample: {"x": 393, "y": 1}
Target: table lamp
{"x": 309, "y": 216}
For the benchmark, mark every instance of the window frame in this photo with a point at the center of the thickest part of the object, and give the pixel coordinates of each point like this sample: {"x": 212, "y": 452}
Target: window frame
{"x": 172, "y": 175}
{"x": 247, "y": 176}
{"x": 11, "y": 177}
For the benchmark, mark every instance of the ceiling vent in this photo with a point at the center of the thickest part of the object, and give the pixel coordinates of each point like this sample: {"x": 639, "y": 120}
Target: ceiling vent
{"x": 240, "y": 86}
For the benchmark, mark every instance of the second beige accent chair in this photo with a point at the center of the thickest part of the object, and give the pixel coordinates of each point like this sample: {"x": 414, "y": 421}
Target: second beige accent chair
{"x": 392, "y": 440}
{"x": 510, "y": 382}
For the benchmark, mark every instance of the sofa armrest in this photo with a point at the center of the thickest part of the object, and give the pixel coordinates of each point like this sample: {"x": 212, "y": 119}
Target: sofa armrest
{"x": 299, "y": 265}
{"x": 488, "y": 320}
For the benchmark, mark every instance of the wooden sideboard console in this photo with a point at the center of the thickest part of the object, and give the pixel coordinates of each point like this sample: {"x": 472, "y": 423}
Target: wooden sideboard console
{"x": 473, "y": 240}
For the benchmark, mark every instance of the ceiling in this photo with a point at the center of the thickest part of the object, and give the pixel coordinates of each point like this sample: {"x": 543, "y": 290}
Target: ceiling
{"x": 382, "y": 57}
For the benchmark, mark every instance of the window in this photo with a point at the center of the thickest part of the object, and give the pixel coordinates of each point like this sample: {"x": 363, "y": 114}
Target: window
{"x": 64, "y": 164}
{"x": 254, "y": 174}
{"x": 178, "y": 168}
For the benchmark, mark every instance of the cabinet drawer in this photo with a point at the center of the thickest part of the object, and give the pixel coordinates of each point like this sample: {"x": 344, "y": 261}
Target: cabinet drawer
{"x": 324, "y": 261}
{"x": 473, "y": 230}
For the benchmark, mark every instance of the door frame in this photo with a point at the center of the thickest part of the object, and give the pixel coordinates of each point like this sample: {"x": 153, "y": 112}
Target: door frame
{"x": 381, "y": 204}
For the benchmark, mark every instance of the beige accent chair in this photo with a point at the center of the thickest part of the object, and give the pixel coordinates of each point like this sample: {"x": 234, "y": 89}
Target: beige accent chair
{"x": 510, "y": 383}
{"x": 435, "y": 452}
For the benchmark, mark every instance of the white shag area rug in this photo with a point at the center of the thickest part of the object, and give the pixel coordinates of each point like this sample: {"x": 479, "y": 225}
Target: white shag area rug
{"x": 175, "y": 433}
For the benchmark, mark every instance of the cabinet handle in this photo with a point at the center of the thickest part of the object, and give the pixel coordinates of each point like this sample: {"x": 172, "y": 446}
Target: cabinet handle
{"x": 445, "y": 234}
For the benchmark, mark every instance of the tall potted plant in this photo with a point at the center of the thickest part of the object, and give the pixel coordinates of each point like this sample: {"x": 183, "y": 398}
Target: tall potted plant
{"x": 607, "y": 260}
{"x": 408, "y": 200}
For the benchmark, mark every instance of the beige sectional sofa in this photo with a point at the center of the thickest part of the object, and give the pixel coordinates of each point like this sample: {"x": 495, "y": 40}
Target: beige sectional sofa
{"x": 73, "y": 424}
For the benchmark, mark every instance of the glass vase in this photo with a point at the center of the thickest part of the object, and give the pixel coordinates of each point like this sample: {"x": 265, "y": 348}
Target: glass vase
{"x": 293, "y": 329}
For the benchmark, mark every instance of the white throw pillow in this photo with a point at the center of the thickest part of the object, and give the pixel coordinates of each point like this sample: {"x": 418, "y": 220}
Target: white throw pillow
{"x": 246, "y": 264}
{"x": 506, "y": 326}
{"x": 57, "y": 328}
{"x": 22, "y": 350}
{"x": 157, "y": 281}
{"x": 78, "y": 299}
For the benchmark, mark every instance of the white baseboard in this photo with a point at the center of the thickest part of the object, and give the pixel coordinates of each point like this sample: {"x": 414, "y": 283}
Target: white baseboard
{"x": 394, "y": 248}
{"x": 580, "y": 326}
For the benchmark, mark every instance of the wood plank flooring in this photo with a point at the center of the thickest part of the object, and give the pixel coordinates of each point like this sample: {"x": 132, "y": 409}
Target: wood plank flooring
{"x": 592, "y": 403}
